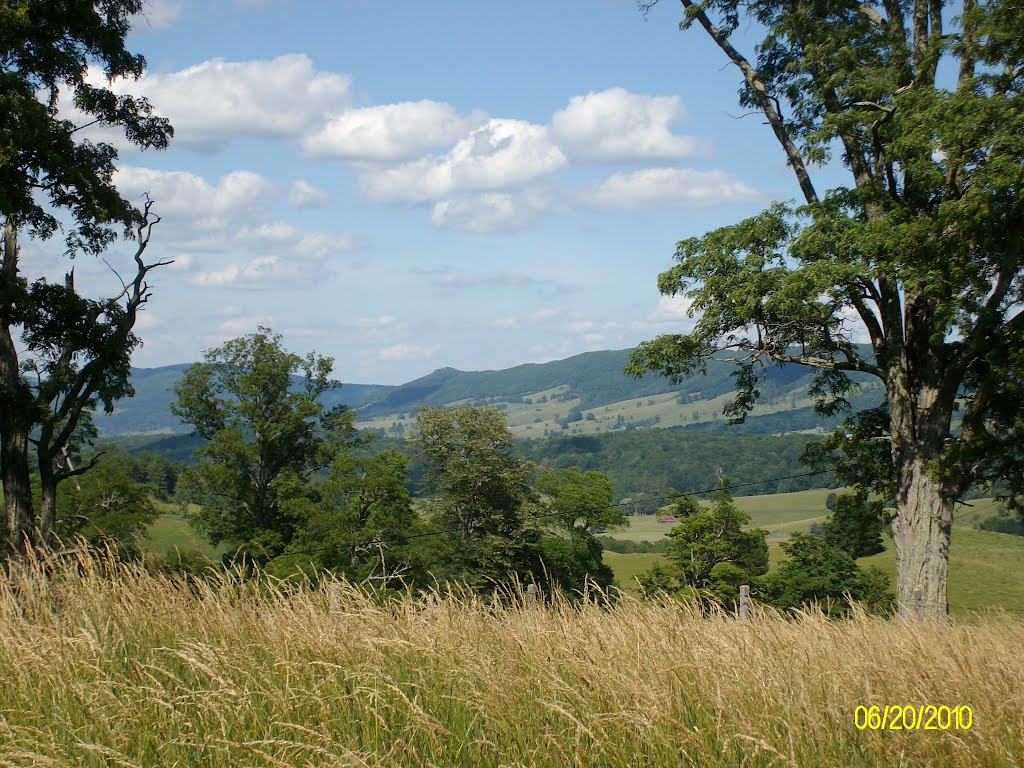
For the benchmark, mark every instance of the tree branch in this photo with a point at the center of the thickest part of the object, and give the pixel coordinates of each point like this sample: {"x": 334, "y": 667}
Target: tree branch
{"x": 857, "y": 364}
{"x": 761, "y": 95}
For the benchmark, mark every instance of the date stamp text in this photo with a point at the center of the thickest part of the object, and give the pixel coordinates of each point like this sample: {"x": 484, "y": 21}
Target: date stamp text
{"x": 922, "y": 717}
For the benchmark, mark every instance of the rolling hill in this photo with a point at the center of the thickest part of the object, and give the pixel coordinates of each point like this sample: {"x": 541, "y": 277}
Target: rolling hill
{"x": 584, "y": 394}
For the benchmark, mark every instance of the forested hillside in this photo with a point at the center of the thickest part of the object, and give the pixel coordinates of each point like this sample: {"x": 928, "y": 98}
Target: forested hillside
{"x": 643, "y": 465}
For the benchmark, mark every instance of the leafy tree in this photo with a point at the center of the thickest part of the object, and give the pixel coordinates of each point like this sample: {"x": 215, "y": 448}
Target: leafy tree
{"x": 105, "y": 506}
{"x": 856, "y": 526}
{"x": 48, "y": 167}
{"x": 818, "y": 572}
{"x": 576, "y": 501}
{"x": 358, "y": 522}
{"x": 265, "y": 438}
{"x": 482, "y": 491}
{"x": 711, "y": 552}
{"x": 660, "y": 578}
{"x": 922, "y": 247}
{"x": 80, "y": 358}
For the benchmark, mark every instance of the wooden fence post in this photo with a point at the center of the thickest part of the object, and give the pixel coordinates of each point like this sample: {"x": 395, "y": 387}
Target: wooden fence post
{"x": 744, "y": 602}
{"x": 531, "y": 595}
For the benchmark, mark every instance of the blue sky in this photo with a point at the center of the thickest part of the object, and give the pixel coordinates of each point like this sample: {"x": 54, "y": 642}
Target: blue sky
{"x": 406, "y": 186}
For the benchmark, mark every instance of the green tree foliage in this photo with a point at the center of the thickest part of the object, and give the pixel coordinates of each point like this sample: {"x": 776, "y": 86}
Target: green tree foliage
{"x": 577, "y": 502}
{"x": 482, "y": 492}
{"x": 627, "y": 547}
{"x": 1003, "y": 523}
{"x": 359, "y": 523}
{"x": 645, "y": 463}
{"x": 710, "y": 552}
{"x": 659, "y": 579}
{"x": 47, "y": 168}
{"x": 264, "y": 439}
{"x": 819, "y": 573}
{"x": 146, "y": 467}
{"x": 105, "y": 506}
{"x": 856, "y": 526}
{"x": 922, "y": 246}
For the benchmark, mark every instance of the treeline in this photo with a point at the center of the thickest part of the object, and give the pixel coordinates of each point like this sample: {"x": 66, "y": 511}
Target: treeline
{"x": 149, "y": 468}
{"x": 642, "y": 465}
{"x": 287, "y": 485}
{"x": 647, "y": 465}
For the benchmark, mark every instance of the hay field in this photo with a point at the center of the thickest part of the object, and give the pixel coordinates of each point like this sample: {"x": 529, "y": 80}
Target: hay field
{"x": 105, "y": 664}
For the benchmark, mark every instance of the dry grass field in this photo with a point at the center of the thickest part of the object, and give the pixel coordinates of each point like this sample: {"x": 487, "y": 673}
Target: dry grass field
{"x": 106, "y": 664}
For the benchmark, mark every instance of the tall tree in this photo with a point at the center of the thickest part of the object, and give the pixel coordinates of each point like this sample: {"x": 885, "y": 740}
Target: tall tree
{"x": 818, "y": 572}
{"x": 79, "y": 351}
{"x": 265, "y": 437}
{"x": 46, "y": 167}
{"x": 919, "y": 254}
{"x": 710, "y": 551}
{"x": 359, "y": 523}
{"x": 482, "y": 491}
{"x": 570, "y": 554}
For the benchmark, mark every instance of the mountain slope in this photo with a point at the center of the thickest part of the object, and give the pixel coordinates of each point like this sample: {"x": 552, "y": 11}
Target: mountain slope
{"x": 584, "y": 394}
{"x": 149, "y": 411}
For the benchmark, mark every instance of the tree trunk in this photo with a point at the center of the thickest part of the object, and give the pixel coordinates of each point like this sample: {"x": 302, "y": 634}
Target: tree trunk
{"x": 14, "y": 466}
{"x": 921, "y": 531}
{"x": 17, "y": 487}
{"x": 919, "y": 424}
{"x": 47, "y": 499}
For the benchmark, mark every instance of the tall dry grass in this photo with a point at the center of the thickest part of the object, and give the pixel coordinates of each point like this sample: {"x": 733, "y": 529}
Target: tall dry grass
{"x": 106, "y": 664}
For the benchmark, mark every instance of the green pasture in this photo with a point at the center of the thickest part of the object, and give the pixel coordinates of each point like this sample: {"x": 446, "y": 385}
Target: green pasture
{"x": 780, "y": 514}
{"x": 173, "y": 532}
{"x": 533, "y": 418}
{"x": 986, "y": 569}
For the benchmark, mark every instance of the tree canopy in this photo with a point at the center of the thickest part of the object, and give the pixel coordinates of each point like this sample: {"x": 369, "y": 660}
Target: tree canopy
{"x": 46, "y": 50}
{"x": 265, "y": 437}
{"x": 919, "y": 254}
{"x": 482, "y": 489}
{"x": 710, "y": 552}
{"x": 53, "y": 178}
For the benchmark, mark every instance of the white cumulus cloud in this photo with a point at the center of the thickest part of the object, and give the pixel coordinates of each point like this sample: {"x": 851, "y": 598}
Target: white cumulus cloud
{"x": 671, "y": 309}
{"x": 390, "y": 132}
{"x": 231, "y": 217}
{"x": 498, "y": 155}
{"x": 256, "y": 274}
{"x": 616, "y": 126}
{"x": 302, "y": 194}
{"x": 487, "y": 212}
{"x": 184, "y": 199}
{"x": 217, "y": 100}
{"x": 670, "y": 188}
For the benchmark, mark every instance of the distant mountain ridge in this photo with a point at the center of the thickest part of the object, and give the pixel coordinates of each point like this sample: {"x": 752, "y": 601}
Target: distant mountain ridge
{"x": 584, "y": 394}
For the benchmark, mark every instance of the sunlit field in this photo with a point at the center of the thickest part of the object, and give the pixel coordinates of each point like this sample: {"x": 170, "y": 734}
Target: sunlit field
{"x": 105, "y": 664}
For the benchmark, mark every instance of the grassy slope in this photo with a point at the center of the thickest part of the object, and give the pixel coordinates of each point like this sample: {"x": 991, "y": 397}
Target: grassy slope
{"x": 537, "y": 419}
{"x": 172, "y": 532}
